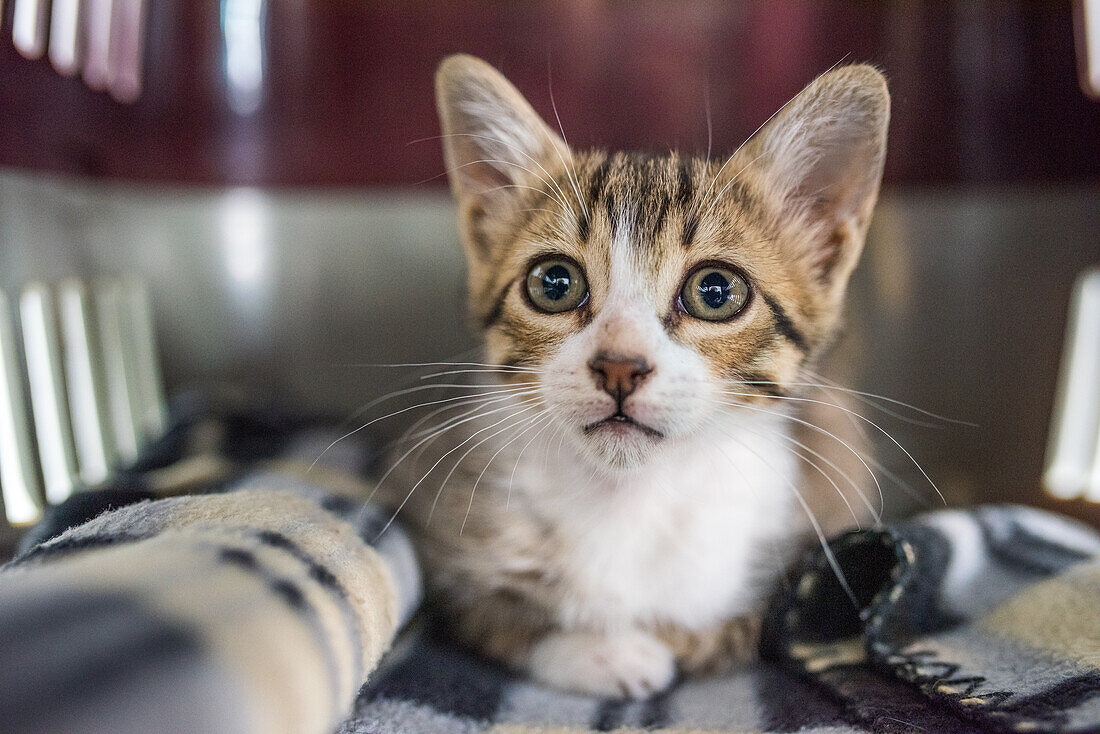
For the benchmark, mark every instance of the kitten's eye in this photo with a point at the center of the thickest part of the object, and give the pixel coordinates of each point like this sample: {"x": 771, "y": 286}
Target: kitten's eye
{"x": 556, "y": 285}
{"x": 714, "y": 293}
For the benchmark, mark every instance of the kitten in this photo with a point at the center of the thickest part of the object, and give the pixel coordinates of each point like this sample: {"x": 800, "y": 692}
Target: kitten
{"x": 628, "y": 486}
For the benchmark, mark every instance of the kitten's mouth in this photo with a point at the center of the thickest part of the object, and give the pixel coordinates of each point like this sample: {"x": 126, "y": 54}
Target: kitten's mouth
{"x": 620, "y": 421}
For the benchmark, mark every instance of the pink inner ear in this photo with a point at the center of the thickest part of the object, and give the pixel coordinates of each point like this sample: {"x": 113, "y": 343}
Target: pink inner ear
{"x": 841, "y": 179}
{"x": 829, "y": 253}
{"x": 492, "y": 136}
{"x": 838, "y": 189}
{"x": 487, "y": 162}
{"x": 479, "y": 176}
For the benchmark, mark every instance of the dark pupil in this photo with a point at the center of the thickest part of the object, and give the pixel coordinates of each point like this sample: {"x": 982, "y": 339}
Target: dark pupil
{"x": 555, "y": 282}
{"x": 714, "y": 289}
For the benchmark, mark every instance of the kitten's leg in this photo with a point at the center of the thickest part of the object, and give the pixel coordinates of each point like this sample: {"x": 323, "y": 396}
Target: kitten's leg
{"x": 500, "y": 625}
{"x": 630, "y": 664}
{"x": 715, "y": 649}
{"x": 509, "y": 628}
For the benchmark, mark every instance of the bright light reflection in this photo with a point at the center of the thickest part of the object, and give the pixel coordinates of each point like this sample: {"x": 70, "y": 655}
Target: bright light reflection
{"x": 244, "y": 236}
{"x": 242, "y": 28}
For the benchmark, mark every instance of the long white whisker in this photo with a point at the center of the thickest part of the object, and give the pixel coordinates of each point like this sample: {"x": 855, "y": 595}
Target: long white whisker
{"x": 870, "y": 399}
{"x": 875, "y": 514}
{"x": 362, "y": 409}
{"x": 425, "y": 475}
{"x": 439, "y": 386}
{"x": 710, "y": 125}
{"x": 827, "y": 384}
{"x": 529, "y": 188}
{"x": 450, "y": 386}
{"x": 822, "y": 472}
{"x": 861, "y": 429}
{"x": 573, "y": 180}
{"x": 479, "y": 371}
{"x": 548, "y": 181}
{"x": 493, "y": 161}
{"x": 900, "y": 483}
{"x": 413, "y": 432}
{"x": 819, "y": 429}
{"x": 481, "y": 400}
{"x": 718, "y": 196}
{"x": 822, "y": 540}
{"x": 430, "y": 435}
{"x": 529, "y": 423}
{"x": 561, "y": 439}
{"x": 871, "y": 423}
{"x": 451, "y": 423}
{"x": 706, "y": 198}
{"x": 437, "y": 430}
{"x": 562, "y": 227}
{"x": 512, "y": 478}
{"x": 552, "y": 194}
{"x": 746, "y": 141}
{"x": 512, "y": 389}
{"x": 562, "y": 428}
{"x": 419, "y": 388}
{"x": 454, "y": 468}
{"x": 439, "y": 364}
{"x": 530, "y": 404}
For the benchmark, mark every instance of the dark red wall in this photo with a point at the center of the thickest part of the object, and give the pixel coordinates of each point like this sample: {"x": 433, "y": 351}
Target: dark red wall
{"x": 984, "y": 92}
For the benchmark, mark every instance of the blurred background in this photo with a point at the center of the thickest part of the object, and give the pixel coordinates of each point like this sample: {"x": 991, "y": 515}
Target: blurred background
{"x": 269, "y": 169}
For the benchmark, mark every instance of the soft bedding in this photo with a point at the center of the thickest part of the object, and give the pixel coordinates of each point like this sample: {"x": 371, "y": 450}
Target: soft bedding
{"x": 269, "y": 599}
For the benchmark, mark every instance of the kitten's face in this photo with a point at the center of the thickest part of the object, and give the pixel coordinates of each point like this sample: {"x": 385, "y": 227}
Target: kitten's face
{"x": 649, "y": 293}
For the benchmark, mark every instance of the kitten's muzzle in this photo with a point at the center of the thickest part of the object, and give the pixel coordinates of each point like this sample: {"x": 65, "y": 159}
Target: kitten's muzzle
{"x": 622, "y": 419}
{"x": 619, "y": 376}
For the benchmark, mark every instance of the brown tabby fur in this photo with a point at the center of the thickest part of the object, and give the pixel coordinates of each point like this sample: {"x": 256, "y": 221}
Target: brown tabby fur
{"x": 797, "y": 251}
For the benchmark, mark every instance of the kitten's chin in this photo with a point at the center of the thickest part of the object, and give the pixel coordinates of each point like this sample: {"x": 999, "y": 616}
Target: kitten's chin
{"x": 619, "y": 444}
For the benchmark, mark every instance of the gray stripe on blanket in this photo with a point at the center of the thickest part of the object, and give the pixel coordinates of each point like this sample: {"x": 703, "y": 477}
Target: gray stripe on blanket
{"x": 433, "y": 687}
{"x": 371, "y": 523}
{"x": 109, "y": 652}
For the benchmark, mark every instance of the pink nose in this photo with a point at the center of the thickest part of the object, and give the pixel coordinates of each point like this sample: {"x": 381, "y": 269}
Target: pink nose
{"x": 618, "y": 376}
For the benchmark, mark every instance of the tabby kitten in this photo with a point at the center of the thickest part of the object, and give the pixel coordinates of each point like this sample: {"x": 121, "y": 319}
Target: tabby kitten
{"x": 628, "y": 486}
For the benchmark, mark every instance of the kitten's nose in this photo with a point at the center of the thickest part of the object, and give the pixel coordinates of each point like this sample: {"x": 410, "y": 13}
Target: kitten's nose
{"x": 618, "y": 376}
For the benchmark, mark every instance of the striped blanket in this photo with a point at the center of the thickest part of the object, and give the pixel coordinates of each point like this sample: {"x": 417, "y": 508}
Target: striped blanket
{"x": 273, "y": 603}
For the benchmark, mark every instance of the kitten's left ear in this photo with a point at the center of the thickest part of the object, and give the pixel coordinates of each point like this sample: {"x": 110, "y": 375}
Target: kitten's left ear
{"x": 823, "y": 155}
{"x": 493, "y": 141}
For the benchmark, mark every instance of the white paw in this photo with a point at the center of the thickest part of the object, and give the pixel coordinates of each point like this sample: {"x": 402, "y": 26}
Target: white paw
{"x": 628, "y": 664}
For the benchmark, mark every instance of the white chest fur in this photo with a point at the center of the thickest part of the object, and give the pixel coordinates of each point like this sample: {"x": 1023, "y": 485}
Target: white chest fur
{"x": 692, "y": 539}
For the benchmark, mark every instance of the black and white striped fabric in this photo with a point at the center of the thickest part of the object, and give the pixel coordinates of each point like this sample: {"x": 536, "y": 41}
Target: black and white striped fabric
{"x": 269, "y": 603}
{"x": 967, "y": 621}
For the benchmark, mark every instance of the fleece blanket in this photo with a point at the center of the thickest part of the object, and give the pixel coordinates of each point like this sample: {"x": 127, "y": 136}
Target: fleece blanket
{"x": 275, "y": 603}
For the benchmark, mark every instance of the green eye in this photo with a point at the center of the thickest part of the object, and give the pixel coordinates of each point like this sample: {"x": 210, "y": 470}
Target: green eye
{"x": 556, "y": 285}
{"x": 714, "y": 293}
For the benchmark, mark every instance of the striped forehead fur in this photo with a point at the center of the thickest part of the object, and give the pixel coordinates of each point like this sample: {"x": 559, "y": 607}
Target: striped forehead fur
{"x": 789, "y": 209}
{"x": 660, "y": 208}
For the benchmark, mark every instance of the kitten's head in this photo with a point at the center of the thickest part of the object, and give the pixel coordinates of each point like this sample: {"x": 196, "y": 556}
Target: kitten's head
{"x": 648, "y": 291}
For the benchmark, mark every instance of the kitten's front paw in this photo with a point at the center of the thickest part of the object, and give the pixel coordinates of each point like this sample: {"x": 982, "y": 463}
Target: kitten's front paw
{"x": 620, "y": 664}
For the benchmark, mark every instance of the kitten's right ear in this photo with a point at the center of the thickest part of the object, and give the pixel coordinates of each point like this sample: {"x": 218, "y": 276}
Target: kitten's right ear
{"x": 494, "y": 143}
{"x": 823, "y": 153}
